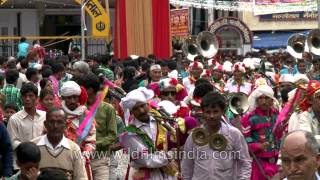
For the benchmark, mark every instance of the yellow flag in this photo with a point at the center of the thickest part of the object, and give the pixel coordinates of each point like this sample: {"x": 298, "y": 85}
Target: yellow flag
{"x": 2, "y": 2}
{"x": 100, "y": 24}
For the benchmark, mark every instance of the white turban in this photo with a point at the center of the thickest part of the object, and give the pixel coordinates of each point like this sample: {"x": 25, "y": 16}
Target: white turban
{"x": 141, "y": 94}
{"x": 155, "y": 67}
{"x": 261, "y": 90}
{"x": 286, "y": 78}
{"x": 70, "y": 88}
{"x": 300, "y": 77}
{"x": 239, "y": 66}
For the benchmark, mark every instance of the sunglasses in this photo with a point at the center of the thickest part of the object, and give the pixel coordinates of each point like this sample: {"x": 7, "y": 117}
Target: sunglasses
{"x": 167, "y": 93}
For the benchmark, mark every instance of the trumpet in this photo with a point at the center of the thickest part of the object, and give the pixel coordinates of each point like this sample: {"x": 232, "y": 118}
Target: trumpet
{"x": 201, "y": 137}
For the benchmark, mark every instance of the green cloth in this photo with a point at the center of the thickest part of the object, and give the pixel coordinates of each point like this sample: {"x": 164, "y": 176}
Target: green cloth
{"x": 107, "y": 72}
{"x": 106, "y": 126}
{"x": 13, "y": 95}
{"x": 14, "y": 177}
{"x": 145, "y": 138}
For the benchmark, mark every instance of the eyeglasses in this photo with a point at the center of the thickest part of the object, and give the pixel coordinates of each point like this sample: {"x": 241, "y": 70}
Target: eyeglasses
{"x": 167, "y": 93}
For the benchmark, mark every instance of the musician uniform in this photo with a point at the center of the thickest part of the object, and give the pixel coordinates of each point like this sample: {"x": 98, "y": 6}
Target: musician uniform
{"x": 233, "y": 86}
{"x": 189, "y": 82}
{"x": 219, "y": 84}
{"x": 257, "y": 128}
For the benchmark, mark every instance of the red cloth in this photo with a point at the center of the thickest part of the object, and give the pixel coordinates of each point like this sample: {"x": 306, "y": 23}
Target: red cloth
{"x": 161, "y": 28}
{"x": 120, "y": 33}
{"x": 312, "y": 88}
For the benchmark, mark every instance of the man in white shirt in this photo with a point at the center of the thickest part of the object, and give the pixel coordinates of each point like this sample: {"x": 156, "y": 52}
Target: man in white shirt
{"x": 26, "y": 124}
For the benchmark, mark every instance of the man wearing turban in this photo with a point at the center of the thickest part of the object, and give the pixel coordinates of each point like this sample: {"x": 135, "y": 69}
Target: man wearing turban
{"x": 238, "y": 83}
{"x": 145, "y": 139}
{"x": 257, "y": 126}
{"x": 76, "y": 112}
{"x": 309, "y": 116}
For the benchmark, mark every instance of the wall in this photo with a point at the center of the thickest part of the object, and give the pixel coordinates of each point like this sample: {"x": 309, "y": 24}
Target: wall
{"x": 255, "y": 25}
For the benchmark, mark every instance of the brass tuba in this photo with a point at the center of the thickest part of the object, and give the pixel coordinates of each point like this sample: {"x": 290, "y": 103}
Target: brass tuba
{"x": 296, "y": 45}
{"x": 313, "y": 41}
{"x": 238, "y": 103}
{"x": 190, "y": 48}
{"x": 201, "y": 137}
{"x": 208, "y": 44}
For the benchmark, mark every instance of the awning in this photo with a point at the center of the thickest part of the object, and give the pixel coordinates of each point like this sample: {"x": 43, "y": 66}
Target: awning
{"x": 272, "y": 40}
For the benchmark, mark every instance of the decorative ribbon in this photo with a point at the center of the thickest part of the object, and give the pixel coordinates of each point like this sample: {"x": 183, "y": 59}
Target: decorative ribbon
{"x": 89, "y": 119}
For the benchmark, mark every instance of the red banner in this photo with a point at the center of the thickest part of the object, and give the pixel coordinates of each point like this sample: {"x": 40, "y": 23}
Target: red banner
{"x": 179, "y": 20}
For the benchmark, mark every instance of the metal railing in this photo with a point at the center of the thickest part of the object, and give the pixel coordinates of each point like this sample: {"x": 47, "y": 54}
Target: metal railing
{"x": 94, "y": 45}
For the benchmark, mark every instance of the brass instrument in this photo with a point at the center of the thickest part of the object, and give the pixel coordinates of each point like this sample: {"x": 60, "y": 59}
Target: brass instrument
{"x": 190, "y": 48}
{"x": 208, "y": 44}
{"x": 161, "y": 119}
{"x": 117, "y": 93}
{"x": 205, "y": 44}
{"x": 201, "y": 137}
{"x": 238, "y": 103}
{"x": 313, "y": 41}
{"x": 296, "y": 45}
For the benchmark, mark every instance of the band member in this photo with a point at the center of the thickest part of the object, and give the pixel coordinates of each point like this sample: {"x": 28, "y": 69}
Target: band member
{"x": 257, "y": 129}
{"x": 217, "y": 78}
{"x": 75, "y": 112}
{"x": 195, "y": 68}
{"x": 214, "y": 167}
{"x": 145, "y": 140}
{"x": 238, "y": 82}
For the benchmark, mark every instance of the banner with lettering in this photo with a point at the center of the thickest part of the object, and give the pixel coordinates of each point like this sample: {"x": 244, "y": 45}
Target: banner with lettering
{"x": 100, "y": 19}
{"x": 262, "y": 7}
{"x": 290, "y": 16}
{"x": 259, "y": 7}
{"x": 179, "y": 21}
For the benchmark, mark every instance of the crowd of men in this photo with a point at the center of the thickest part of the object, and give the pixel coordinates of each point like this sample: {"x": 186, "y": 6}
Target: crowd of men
{"x": 145, "y": 127}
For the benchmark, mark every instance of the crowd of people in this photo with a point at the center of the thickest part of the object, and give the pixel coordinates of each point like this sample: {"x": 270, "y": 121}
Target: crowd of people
{"x": 149, "y": 123}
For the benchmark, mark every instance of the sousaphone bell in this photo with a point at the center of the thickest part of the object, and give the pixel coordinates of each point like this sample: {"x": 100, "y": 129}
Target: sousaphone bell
{"x": 296, "y": 45}
{"x": 238, "y": 103}
{"x": 190, "y": 48}
{"x": 313, "y": 41}
{"x": 208, "y": 44}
